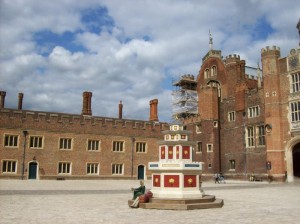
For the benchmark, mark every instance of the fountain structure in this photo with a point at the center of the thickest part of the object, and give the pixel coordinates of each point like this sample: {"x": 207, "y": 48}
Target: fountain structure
{"x": 176, "y": 178}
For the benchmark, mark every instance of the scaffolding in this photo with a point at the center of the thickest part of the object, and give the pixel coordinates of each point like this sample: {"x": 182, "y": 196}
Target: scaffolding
{"x": 185, "y": 97}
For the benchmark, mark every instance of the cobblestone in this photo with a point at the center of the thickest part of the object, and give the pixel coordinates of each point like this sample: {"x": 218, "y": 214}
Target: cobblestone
{"x": 105, "y": 201}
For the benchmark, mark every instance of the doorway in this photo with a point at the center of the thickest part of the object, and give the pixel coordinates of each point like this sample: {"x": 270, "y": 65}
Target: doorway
{"x": 32, "y": 175}
{"x": 296, "y": 160}
{"x": 141, "y": 172}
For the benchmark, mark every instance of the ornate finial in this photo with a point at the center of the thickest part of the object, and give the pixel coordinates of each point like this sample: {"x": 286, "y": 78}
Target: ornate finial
{"x": 210, "y": 41}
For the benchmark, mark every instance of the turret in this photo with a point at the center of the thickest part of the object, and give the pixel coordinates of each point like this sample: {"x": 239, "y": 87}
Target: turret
{"x": 269, "y": 57}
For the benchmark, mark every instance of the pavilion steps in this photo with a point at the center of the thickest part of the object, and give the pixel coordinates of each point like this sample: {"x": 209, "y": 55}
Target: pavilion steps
{"x": 206, "y": 202}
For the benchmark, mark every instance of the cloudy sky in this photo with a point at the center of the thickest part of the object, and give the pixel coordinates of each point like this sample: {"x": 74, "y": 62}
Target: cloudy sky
{"x": 127, "y": 50}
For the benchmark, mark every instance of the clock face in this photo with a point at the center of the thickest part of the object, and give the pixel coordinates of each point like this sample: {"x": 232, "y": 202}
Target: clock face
{"x": 293, "y": 62}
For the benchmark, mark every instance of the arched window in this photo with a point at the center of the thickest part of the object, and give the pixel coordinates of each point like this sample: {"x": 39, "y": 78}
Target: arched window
{"x": 206, "y": 74}
{"x": 213, "y": 70}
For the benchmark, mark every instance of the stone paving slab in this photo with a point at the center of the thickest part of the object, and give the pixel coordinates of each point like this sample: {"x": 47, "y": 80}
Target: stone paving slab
{"x": 105, "y": 201}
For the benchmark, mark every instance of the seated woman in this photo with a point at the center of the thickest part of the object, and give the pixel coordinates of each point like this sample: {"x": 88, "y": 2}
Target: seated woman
{"x": 138, "y": 191}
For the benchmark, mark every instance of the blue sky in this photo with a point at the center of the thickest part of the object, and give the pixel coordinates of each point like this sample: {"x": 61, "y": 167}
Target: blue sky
{"x": 127, "y": 50}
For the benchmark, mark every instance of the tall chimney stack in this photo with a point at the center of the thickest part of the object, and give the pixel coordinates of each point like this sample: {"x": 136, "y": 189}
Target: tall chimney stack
{"x": 87, "y": 103}
{"x": 120, "y": 110}
{"x": 20, "y": 102}
{"x": 2, "y": 99}
{"x": 153, "y": 110}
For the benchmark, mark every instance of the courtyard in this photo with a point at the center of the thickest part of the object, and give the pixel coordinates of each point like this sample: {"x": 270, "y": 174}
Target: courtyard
{"x": 105, "y": 201}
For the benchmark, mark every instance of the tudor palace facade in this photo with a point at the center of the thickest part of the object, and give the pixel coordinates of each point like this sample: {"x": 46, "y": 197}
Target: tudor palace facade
{"x": 244, "y": 122}
{"x": 43, "y": 145}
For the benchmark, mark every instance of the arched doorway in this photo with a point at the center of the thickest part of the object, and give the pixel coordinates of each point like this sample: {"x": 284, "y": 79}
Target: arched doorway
{"x": 296, "y": 160}
{"x": 292, "y": 152}
{"x": 33, "y": 169}
{"x": 141, "y": 172}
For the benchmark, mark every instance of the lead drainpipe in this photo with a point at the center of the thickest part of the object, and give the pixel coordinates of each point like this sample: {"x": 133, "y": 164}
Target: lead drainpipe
{"x": 132, "y": 151}
{"x": 25, "y": 133}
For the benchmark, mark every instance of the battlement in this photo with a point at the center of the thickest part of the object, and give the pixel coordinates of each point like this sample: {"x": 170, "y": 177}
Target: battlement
{"x": 232, "y": 58}
{"x": 59, "y": 122}
{"x": 274, "y": 50}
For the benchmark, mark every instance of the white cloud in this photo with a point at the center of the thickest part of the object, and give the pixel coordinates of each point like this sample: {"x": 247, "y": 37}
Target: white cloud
{"x": 150, "y": 44}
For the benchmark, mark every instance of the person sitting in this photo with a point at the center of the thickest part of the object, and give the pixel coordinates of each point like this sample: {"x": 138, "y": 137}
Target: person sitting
{"x": 138, "y": 191}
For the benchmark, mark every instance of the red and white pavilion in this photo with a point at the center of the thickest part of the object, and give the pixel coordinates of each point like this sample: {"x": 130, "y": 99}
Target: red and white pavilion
{"x": 175, "y": 175}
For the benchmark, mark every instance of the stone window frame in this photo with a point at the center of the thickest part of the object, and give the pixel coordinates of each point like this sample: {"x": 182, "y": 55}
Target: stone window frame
{"x": 213, "y": 71}
{"x": 118, "y": 146}
{"x": 295, "y": 111}
{"x": 231, "y": 116}
{"x": 295, "y": 82}
{"x": 215, "y": 124}
{"x": 11, "y": 141}
{"x": 36, "y": 142}
{"x": 92, "y": 168}
{"x": 206, "y": 73}
{"x": 117, "y": 169}
{"x": 64, "y": 168}
{"x": 254, "y": 111}
{"x": 250, "y": 138}
{"x": 141, "y": 147}
{"x": 209, "y": 147}
{"x": 232, "y": 164}
{"x": 199, "y": 147}
{"x": 198, "y": 128}
{"x": 260, "y": 135}
{"x": 65, "y": 143}
{"x": 93, "y": 145}
{"x": 9, "y": 166}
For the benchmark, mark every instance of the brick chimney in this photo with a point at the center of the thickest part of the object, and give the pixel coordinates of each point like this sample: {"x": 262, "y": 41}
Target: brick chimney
{"x": 87, "y": 103}
{"x": 2, "y": 99}
{"x": 20, "y": 102}
{"x": 153, "y": 110}
{"x": 120, "y": 110}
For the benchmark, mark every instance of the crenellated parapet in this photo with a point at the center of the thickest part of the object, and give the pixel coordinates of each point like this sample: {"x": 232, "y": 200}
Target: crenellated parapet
{"x": 270, "y": 51}
{"x": 58, "y": 122}
{"x": 232, "y": 58}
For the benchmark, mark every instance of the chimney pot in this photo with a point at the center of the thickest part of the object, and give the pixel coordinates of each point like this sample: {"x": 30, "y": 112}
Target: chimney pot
{"x": 153, "y": 110}
{"x": 2, "y": 99}
{"x": 20, "y": 102}
{"x": 87, "y": 103}
{"x": 120, "y": 110}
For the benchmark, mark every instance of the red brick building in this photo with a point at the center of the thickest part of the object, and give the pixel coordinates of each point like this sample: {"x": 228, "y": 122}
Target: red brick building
{"x": 248, "y": 119}
{"x": 246, "y": 122}
{"x": 43, "y": 145}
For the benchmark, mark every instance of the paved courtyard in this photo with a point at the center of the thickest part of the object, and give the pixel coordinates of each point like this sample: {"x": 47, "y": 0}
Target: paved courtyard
{"x": 105, "y": 201}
